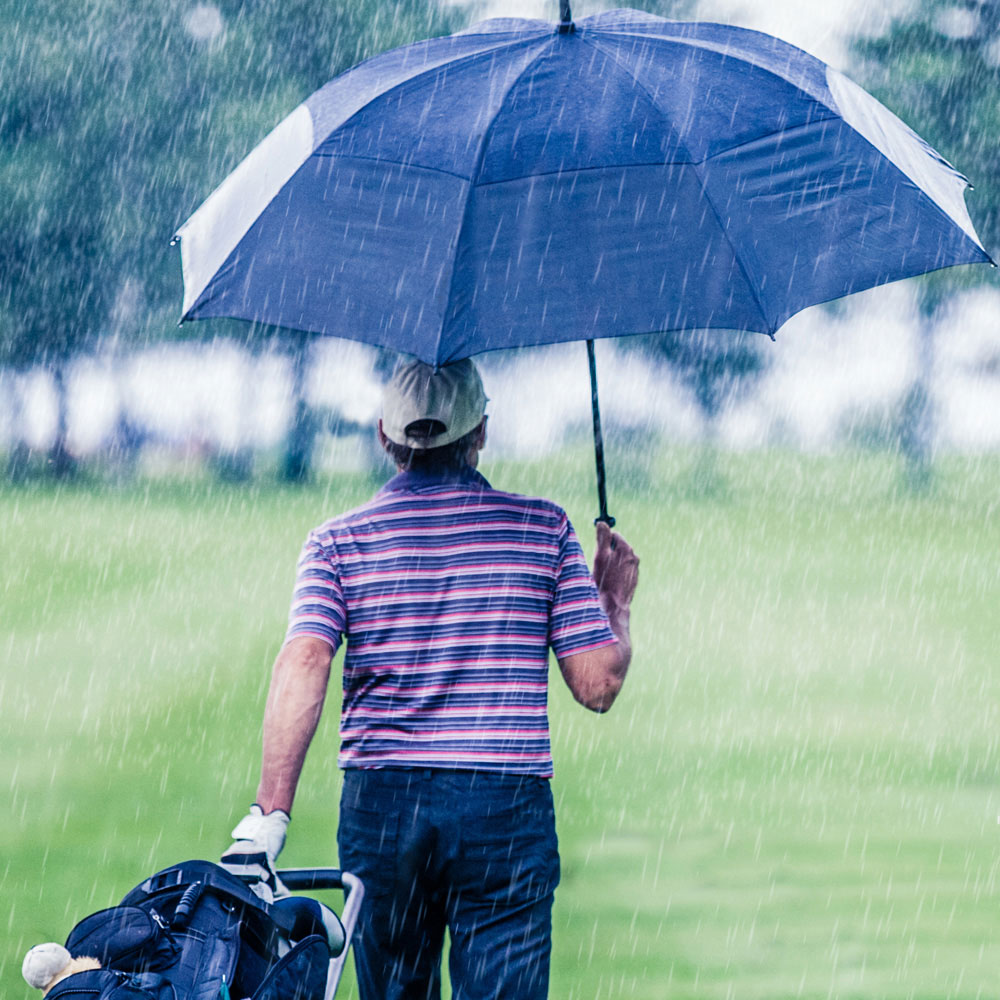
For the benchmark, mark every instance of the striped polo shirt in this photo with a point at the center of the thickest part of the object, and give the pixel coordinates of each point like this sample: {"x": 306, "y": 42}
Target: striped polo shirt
{"x": 449, "y": 594}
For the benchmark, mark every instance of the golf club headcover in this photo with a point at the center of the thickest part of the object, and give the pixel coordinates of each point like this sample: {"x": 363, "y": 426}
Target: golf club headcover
{"x": 50, "y": 963}
{"x": 309, "y": 916}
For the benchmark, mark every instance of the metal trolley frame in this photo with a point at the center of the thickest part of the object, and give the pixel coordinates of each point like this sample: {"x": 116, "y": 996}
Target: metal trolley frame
{"x": 310, "y": 879}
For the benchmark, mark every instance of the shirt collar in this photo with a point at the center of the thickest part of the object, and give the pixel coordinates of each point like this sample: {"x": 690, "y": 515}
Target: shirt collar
{"x": 418, "y": 479}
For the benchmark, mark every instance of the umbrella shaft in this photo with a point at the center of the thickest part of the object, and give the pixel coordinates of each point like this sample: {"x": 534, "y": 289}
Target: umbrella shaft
{"x": 602, "y": 493}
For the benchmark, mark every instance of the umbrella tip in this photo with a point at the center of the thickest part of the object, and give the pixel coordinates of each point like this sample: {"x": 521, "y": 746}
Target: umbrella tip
{"x": 566, "y": 24}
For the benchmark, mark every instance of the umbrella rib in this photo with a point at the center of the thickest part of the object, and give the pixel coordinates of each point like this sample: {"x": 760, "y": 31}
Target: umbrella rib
{"x": 480, "y": 156}
{"x": 409, "y": 164}
{"x": 696, "y": 165}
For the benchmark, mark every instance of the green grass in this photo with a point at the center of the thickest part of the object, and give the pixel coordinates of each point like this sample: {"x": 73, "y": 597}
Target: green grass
{"x": 795, "y": 796}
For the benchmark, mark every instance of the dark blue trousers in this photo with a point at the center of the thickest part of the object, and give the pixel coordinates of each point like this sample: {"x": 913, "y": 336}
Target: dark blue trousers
{"x": 472, "y": 851}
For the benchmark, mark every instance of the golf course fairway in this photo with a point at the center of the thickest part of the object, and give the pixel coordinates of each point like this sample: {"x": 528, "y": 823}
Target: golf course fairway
{"x": 796, "y": 794}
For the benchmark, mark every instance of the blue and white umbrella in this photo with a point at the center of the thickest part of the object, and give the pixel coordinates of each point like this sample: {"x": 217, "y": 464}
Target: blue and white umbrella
{"x": 523, "y": 182}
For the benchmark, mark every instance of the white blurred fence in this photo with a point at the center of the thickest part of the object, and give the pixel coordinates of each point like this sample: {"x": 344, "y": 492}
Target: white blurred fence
{"x": 834, "y": 377}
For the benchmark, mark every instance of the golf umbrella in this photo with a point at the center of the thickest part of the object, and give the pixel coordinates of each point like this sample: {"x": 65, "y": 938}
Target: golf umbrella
{"x": 523, "y": 183}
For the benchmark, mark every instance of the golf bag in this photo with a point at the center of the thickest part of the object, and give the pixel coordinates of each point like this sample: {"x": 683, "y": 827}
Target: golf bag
{"x": 194, "y": 932}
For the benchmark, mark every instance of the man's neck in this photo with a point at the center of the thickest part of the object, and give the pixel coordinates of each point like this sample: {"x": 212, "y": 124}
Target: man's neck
{"x": 434, "y": 476}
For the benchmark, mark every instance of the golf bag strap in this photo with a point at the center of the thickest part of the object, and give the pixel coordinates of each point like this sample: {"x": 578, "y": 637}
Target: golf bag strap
{"x": 212, "y": 877}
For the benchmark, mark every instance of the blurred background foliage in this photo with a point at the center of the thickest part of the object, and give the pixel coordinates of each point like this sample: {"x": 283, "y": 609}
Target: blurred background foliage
{"x": 117, "y": 120}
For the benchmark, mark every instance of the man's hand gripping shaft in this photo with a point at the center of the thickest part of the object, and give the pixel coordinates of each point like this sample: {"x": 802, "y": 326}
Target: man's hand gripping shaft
{"x": 595, "y": 677}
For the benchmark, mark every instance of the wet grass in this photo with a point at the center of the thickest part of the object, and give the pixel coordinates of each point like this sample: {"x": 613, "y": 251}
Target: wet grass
{"x": 796, "y": 795}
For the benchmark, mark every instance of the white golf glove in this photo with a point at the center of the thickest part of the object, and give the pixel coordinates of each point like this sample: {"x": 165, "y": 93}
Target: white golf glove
{"x": 258, "y": 840}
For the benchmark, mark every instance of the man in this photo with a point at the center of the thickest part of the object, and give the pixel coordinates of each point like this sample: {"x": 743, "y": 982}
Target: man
{"x": 450, "y": 594}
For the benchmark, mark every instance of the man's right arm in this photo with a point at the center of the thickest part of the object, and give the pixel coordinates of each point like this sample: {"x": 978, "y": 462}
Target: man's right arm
{"x": 294, "y": 704}
{"x": 595, "y": 676}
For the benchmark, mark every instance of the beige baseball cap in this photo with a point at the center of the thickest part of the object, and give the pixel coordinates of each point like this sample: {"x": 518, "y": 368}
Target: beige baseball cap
{"x": 451, "y": 396}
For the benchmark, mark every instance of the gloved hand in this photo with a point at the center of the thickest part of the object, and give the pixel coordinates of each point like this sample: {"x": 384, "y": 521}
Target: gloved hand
{"x": 258, "y": 840}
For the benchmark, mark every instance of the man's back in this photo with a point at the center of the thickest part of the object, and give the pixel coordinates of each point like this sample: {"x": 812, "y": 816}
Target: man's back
{"x": 450, "y": 594}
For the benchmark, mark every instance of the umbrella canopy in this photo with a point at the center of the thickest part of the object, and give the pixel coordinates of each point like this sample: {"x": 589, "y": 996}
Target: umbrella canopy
{"x": 526, "y": 183}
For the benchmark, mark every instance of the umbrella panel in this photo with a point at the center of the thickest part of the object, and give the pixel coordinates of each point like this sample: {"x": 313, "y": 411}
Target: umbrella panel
{"x": 561, "y": 257}
{"x": 359, "y": 249}
{"x": 816, "y": 217}
{"x": 437, "y": 120}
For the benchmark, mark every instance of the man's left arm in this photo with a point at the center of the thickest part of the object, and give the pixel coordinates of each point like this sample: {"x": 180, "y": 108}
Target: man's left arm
{"x": 595, "y": 676}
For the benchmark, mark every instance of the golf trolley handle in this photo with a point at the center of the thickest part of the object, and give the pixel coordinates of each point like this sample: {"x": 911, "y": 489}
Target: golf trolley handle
{"x": 306, "y": 879}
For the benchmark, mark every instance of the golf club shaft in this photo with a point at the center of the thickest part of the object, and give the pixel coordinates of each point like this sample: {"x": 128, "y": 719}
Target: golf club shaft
{"x": 602, "y": 493}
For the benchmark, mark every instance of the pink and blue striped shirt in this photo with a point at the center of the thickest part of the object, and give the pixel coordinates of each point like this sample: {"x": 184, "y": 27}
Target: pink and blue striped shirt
{"x": 449, "y": 594}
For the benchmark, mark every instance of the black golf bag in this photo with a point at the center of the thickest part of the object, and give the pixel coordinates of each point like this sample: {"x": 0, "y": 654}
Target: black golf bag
{"x": 195, "y": 932}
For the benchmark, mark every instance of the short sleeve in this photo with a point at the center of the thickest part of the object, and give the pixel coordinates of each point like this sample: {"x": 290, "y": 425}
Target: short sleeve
{"x": 577, "y": 621}
{"x": 318, "y": 608}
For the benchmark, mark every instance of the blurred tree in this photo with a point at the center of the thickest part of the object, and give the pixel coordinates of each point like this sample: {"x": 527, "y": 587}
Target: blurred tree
{"x": 718, "y": 367}
{"x": 296, "y": 465}
{"x": 52, "y": 158}
{"x": 118, "y": 117}
{"x": 938, "y": 68}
